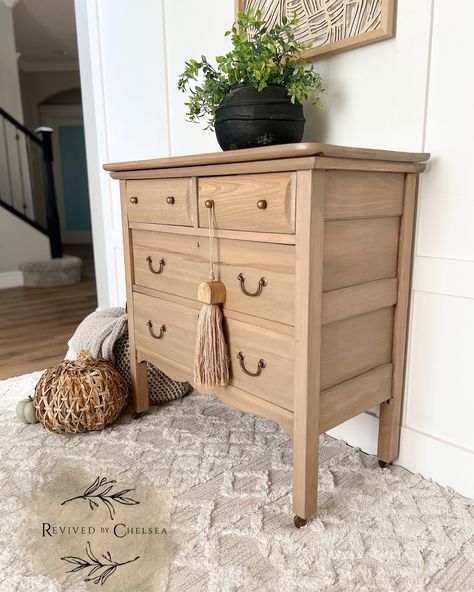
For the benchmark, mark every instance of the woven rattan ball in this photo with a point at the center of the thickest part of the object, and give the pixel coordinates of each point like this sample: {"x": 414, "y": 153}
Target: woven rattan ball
{"x": 80, "y": 396}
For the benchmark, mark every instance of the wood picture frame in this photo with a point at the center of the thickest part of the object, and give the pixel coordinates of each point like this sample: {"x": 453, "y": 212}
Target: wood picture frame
{"x": 331, "y": 26}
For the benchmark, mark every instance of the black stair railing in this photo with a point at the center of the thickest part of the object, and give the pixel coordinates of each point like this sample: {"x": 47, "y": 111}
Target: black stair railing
{"x": 42, "y": 138}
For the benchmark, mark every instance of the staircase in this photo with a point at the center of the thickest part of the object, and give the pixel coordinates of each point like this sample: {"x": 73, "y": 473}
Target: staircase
{"x": 27, "y": 178}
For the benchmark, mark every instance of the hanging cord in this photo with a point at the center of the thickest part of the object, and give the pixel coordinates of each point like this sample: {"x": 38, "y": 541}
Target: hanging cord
{"x": 210, "y": 214}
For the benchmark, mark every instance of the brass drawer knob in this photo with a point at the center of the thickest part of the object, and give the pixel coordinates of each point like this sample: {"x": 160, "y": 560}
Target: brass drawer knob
{"x": 260, "y": 366}
{"x": 170, "y": 200}
{"x": 134, "y": 200}
{"x": 153, "y": 334}
{"x": 262, "y": 204}
{"x": 262, "y": 282}
{"x": 209, "y": 203}
{"x": 162, "y": 263}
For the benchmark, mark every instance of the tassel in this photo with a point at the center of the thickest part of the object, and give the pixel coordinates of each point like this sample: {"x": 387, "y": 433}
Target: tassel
{"x": 211, "y": 361}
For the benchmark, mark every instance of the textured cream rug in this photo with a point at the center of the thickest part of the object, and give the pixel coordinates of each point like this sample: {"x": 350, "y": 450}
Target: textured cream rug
{"x": 214, "y": 488}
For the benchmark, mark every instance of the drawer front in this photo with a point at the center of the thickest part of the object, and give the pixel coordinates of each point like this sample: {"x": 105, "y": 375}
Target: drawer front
{"x": 248, "y": 345}
{"x": 258, "y": 203}
{"x": 160, "y": 201}
{"x": 174, "y": 337}
{"x": 265, "y": 270}
{"x": 172, "y": 332}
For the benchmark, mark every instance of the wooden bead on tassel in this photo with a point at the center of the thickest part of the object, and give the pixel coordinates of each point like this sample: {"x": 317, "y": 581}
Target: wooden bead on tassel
{"x": 211, "y": 293}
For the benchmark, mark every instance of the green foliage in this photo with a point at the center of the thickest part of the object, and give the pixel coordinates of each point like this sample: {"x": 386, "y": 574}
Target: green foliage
{"x": 260, "y": 57}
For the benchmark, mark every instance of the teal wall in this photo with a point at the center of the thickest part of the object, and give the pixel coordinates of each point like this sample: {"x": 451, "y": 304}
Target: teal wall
{"x": 74, "y": 177}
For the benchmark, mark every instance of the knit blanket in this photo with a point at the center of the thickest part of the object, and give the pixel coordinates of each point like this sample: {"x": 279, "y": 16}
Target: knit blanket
{"x": 98, "y": 333}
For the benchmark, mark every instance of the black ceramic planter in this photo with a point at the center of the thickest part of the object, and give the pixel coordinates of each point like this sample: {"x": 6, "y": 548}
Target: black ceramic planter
{"x": 247, "y": 118}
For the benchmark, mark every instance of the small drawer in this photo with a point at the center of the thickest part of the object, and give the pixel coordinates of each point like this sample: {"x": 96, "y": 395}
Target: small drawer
{"x": 165, "y": 329}
{"x": 259, "y": 203}
{"x": 259, "y": 279}
{"x": 161, "y": 201}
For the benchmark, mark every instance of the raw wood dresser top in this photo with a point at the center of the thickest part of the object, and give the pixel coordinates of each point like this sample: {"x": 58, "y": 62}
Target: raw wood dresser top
{"x": 306, "y": 149}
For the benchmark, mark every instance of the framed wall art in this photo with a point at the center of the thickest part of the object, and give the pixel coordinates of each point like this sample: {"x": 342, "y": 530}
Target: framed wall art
{"x": 331, "y": 26}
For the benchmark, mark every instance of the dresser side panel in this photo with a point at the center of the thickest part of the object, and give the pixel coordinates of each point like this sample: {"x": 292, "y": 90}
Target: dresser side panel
{"x": 138, "y": 371}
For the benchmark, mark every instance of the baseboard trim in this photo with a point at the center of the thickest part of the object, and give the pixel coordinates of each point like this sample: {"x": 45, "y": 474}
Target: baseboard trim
{"x": 420, "y": 453}
{"x": 444, "y": 463}
{"x": 11, "y": 279}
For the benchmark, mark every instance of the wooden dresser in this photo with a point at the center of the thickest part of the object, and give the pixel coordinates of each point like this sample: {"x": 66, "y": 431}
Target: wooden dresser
{"x": 314, "y": 246}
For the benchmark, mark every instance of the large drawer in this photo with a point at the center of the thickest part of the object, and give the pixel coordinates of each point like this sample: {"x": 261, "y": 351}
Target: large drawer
{"x": 161, "y": 201}
{"x": 248, "y": 346}
{"x": 258, "y": 203}
{"x": 244, "y": 267}
{"x": 166, "y": 329}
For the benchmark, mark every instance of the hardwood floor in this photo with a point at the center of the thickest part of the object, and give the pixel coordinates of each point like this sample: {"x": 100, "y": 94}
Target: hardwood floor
{"x": 36, "y": 324}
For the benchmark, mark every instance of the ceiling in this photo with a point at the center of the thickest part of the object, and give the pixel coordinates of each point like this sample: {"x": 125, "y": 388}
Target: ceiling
{"x": 45, "y": 33}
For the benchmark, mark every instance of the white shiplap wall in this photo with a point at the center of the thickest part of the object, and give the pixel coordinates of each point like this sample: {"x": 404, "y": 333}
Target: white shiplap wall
{"x": 123, "y": 80}
{"x": 411, "y": 93}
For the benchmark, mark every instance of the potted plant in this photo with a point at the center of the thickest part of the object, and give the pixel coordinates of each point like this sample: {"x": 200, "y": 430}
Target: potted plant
{"x": 253, "y": 96}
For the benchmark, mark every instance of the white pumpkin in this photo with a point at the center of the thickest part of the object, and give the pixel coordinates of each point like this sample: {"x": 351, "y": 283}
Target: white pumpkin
{"x": 25, "y": 411}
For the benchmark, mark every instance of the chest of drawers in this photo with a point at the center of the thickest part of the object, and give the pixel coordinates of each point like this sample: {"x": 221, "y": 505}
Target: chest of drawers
{"x": 313, "y": 244}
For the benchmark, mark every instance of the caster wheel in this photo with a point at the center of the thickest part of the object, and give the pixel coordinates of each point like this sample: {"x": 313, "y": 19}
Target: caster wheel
{"x": 383, "y": 464}
{"x": 299, "y": 522}
{"x": 138, "y": 414}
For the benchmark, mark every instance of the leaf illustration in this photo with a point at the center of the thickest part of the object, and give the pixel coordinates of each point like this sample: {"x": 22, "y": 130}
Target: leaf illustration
{"x": 78, "y": 568}
{"x": 74, "y": 560}
{"x": 94, "y": 569}
{"x": 92, "y": 488}
{"x": 96, "y": 565}
{"x": 110, "y": 508}
{"x": 100, "y": 491}
{"x": 90, "y": 554}
{"x": 106, "y": 491}
{"x": 107, "y": 573}
{"x": 120, "y": 493}
{"x": 125, "y": 501}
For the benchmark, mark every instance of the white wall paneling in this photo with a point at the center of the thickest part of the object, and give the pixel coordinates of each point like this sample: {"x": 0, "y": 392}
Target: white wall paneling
{"x": 441, "y": 375}
{"x": 192, "y": 29}
{"x": 122, "y": 64}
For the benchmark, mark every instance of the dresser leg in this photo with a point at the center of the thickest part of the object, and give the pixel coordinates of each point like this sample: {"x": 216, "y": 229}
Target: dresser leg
{"x": 308, "y": 320}
{"x": 390, "y": 411}
{"x": 138, "y": 371}
{"x": 389, "y": 431}
{"x": 305, "y": 475}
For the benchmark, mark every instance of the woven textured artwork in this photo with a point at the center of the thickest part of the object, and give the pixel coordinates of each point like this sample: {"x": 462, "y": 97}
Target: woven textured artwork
{"x": 329, "y": 26}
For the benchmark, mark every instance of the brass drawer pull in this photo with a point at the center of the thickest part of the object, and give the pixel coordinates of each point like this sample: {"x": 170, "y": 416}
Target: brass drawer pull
{"x": 153, "y": 334}
{"x": 261, "y": 284}
{"x": 162, "y": 263}
{"x": 262, "y": 204}
{"x": 170, "y": 200}
{"x": 209, "y": 203}
{"x": 134, "y": 200}
{"x": 260, "y": 366}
